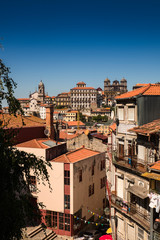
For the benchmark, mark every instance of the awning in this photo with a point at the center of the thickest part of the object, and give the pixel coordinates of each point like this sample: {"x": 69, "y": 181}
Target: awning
{"x": 139, "y": 191}
{"x": 154, "y": 176}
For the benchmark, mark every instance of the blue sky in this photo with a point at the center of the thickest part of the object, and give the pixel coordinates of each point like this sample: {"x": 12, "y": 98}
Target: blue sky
{"x": 62, "y": 42}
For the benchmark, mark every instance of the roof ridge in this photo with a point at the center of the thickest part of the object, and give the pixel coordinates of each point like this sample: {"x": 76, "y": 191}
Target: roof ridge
{"x": 75, "y": 150}
{"x": 66, "y": 158}
{"x": 146, "y": 88}
{"x": 37, "y": 142}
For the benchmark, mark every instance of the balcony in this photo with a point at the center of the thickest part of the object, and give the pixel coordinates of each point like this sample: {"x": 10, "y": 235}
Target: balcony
{"x": 131, "y": 162}
{"x": 131, "y": 210}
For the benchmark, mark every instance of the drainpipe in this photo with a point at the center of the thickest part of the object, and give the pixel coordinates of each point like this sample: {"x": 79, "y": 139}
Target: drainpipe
{"x": 151, "y": 224}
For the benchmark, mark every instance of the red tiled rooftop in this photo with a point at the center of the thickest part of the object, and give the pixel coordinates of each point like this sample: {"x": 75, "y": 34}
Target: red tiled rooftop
{"x": 113, "y": 126}
{"x": 35, "y": 143}
{"x": 141, "y": 84}
{"x": 83, "y": 88}
{"x": 147, "y": 129}
{"x": 148, "y": 89}
{"x": 75, "y": 156}
{"x": 156, "y": 166}
{"x": 100, "y": 136}
{"x": 65, "y": 135}
{"x": 75, "y": 123}
{"x": 72, "y": 111}
{"x": 16, "y": 122}
{"x": 43, "y": 105}
{"x": 23, "y": 99}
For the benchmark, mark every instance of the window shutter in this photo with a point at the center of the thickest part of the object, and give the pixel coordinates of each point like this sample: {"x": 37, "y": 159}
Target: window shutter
{"x": 131, "y": 113}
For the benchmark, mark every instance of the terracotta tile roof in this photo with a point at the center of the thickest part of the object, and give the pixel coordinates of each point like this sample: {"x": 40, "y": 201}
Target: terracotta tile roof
{"x": 16, "y": 122}
{"x": 113, "y": 126}
{"x": 133, "y": 93}
{"x": 83, "y": 88}
{"x": 53, "y": 97}
{"x": 75, "y": 123}
{"x": 23, "y": 99}
{"x": 156, "y": 166}
{"x": 43, "y": 105}
{"x": 100, "y": 136}
{"x": 75, "y": 156}
{"x": 154, "y": 89}
{"x": 65, "y": 135}
{"x": 141, "y": 84}
{"x": 147, "y": 129}
{"x": 72, "y": 111}
{"x": 47, "y": 97}
{"x": 147, "y": 89}
{"x": 35, "y": 143}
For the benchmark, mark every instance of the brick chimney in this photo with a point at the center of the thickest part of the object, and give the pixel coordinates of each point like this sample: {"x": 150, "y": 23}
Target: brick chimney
{"x": 49, "y": 121}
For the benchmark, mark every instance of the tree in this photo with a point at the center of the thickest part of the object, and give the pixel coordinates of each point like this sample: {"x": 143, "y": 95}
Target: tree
{"x": 82, "y": 117}
{"x": 16, "y": 208}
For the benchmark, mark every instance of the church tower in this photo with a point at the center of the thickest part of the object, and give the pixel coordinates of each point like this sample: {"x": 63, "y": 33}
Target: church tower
{"x": 41, "y": 91}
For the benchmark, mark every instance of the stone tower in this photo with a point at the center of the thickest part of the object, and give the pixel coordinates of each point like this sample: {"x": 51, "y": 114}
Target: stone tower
{"x": 41, "y": 91}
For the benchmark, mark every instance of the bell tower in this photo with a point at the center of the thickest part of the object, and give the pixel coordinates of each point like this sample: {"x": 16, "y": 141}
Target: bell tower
{"x": 41, "y": 91}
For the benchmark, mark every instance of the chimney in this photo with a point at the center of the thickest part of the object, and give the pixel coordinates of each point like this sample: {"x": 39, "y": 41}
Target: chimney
{"x": 49, "y": 121}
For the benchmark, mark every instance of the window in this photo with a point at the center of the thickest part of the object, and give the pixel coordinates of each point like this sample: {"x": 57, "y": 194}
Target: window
{"x": 67, "y": 177}
{"x": 67, "y": 222}
{"x": 131, "y": 113}
{"x": 67, "y": 201}
{"x": 51, "y": 219}
{"x": 140, "y": 234}
{"x": 91, "y": 190}
{"x": 92, "y": 169}
{"x": 61, "y": 221}
{"x": 80, "y": 175}
{"x": 102, "y": 165}
{"x": 121, "y": 113}
{"x": 102, "y": 182}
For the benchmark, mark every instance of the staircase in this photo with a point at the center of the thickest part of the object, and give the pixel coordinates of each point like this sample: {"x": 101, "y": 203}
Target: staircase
{"x": 39, "y": 233}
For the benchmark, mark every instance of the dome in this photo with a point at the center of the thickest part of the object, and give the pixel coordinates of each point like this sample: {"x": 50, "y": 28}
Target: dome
{"x": 115, "y": 82}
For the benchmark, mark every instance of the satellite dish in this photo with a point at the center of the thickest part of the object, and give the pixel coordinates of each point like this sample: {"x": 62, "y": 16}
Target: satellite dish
{"x": 46, "y": 132}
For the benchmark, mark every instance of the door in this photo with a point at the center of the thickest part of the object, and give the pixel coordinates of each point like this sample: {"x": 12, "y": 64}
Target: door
{"x": 121, "y": 150}
{"x": 120, "y": 187}
{"x": 130, "y": 232}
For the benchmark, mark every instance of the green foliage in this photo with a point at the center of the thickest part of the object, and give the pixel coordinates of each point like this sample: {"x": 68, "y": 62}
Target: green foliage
{"x": 100, "y": 118}
{"x": 16, "y": 208}
{"x": 82, "y": 117}
{"x": 60, "y": 107}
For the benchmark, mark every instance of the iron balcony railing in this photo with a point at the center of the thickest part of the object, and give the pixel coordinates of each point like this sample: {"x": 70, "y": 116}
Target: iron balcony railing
{"x": 130, "y": 209}
{"x": 132, "y": 162}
